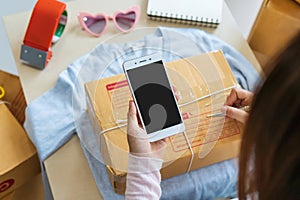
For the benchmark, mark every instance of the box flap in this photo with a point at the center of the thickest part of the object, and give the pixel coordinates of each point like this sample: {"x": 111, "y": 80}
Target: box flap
{"x": 286, "y": 7}
{"x": 14, "y": 95}
{"x": 16, "y": 147}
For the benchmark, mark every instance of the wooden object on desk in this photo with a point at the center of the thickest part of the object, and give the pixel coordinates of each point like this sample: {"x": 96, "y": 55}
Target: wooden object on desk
{"x": 64, "y": 166}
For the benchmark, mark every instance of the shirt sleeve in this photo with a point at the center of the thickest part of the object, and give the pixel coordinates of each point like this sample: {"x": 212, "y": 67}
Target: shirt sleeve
{"x": 143, "y": 178}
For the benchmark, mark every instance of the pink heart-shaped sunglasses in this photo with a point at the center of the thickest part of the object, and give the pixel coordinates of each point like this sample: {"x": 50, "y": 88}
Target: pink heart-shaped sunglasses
{"x": 97, "y": 24}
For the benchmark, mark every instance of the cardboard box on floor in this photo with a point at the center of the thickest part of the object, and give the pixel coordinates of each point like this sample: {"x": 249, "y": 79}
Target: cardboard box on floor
{"x": 208, "y": 140}
{"x": 31, "y": 190}
{"x": 13, "y": 93}
{"x": 277, "y": 22}
{"x": 19, "y": 161}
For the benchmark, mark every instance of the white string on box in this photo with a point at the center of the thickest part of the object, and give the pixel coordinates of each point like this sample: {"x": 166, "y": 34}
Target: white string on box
{"x": 181, "y": 105}
{"x": 5, "y": 102}
{"x": 191, "y": 149}
{"x": 208, "y": 95}
{"x": 112, "y": 128}
{"x": 195, "y": 100}
{"x": 184, "y": 133}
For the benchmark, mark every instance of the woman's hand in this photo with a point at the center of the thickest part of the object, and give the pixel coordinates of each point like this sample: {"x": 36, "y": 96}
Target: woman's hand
{"x": 238, "y": 98}
{"x": 138, "y": 139}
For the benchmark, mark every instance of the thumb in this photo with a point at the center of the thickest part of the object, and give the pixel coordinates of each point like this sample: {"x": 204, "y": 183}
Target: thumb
{"x": 132, "y": 118}
{"x": 237, "y": 114}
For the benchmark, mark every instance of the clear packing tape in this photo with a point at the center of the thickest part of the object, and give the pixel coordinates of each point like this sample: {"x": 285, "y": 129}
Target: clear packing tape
{"x": 203, "y": 83}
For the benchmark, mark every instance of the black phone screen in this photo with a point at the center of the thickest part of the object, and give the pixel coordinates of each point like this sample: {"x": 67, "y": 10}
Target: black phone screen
{"x": 154, "y": 96}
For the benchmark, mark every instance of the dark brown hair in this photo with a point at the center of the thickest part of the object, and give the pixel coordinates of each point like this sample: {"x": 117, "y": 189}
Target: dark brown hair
{"x": 269, "y": 165}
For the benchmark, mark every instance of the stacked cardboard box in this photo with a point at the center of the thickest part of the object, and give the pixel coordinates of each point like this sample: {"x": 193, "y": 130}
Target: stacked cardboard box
{"x": 19, "y": 160}
{"x": 18, "y": 157}
{"x": 206, "y": 77}
{"x": 277, "y": 22}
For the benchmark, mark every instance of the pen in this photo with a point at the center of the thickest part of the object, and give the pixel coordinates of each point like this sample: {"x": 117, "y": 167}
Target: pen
{"x": 221, "y": 114}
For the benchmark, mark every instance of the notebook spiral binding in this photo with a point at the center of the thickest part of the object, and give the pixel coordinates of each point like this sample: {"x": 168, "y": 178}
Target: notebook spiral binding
{"x": 183, "y": 19}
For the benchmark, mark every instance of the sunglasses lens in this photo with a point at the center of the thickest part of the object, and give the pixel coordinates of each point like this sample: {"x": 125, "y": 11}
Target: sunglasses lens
{"x": 126, "y": 21}
{"x": 95, "y": 24}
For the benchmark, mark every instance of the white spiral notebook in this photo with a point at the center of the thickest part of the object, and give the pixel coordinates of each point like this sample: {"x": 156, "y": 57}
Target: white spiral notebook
{"x": 198, "y": 12}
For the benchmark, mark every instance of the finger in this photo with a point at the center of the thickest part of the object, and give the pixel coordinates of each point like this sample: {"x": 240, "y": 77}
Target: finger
{"x": 133, "y": 127}
{"x": 174, "y": 88}
{"x": 239, "y": 97}
{"x": 159, "y": 145}
{"x": 236, "y": 114}
{"x": 231, "y": 98}
{"x": 177, "y": 96}
{"x": 132, "y": 118}
{"x": 160, "y": 142}
{"x": 158, "y": 148}
{"x": 175, "y": 92}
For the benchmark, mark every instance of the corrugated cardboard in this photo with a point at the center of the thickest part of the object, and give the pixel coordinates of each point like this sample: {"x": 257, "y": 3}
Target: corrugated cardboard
{"x": 277, "y": 22}
{"x": 14, "y": 95}
{"x": 212, "y": 139}
{"x": 9, "y": 196}
{"x": 18, "y": 158}
{"x": 32, "y": 190}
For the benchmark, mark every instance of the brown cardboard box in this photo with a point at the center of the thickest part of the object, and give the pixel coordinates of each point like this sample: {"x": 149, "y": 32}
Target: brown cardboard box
{"x": 19, "y": 161}
{"x": 277, "y": 22}
{"x": 9, "y": 196}
{"x": 13, "y": 94}
{"x": 211, "y": 139}
{"x": 31, "y": 190}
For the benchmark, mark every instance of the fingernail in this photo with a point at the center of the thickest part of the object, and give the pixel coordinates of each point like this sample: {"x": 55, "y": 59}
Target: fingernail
{"x": 224, "y": 109}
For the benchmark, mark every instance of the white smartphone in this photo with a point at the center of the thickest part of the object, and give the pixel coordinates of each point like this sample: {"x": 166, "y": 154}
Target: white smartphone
{"x": 154, "y": 97}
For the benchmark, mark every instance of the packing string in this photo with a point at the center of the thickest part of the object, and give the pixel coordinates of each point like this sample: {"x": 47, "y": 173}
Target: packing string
{"x": 208, "y": 95}
{"x": 112, "y": 128}
{"x": 181, "y": 105}
{"x": 4, "y": 102}
{"x": 191, "y": 149}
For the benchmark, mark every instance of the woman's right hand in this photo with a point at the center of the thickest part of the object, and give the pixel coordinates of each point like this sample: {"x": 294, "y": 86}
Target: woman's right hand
{"x": 238, "y": 98}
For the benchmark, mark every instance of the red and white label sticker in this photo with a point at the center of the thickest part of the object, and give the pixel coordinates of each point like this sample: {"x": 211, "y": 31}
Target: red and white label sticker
{"x": 5, "y": 185}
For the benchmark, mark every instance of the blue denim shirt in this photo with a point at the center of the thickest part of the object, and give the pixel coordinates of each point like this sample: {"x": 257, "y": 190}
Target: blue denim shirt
{"x": 54, "y": 117}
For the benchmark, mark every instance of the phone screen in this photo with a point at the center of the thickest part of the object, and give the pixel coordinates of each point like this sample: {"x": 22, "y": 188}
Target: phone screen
{"x": 154, "y": 96}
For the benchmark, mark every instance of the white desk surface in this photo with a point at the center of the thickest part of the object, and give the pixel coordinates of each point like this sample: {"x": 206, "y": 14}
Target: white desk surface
{"x": 67, "y": 169}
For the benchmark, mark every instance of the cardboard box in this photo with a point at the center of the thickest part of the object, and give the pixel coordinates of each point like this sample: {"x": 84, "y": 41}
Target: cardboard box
{"x": 9, "y": 196}
{"x": 207, "y": 76}
{"x": 13, "y": 94}
{"x": 32, "y": 190}
{"x": 19, "y": 161}
{"x": 277, "y": 22}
